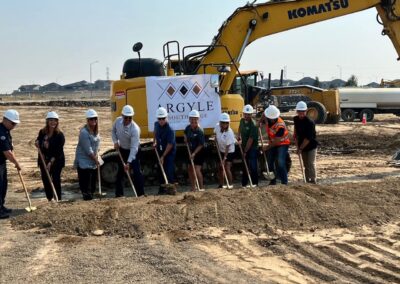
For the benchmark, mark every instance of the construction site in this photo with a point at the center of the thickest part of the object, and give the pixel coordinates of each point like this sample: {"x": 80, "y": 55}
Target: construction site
{"x": 343, "y": 227}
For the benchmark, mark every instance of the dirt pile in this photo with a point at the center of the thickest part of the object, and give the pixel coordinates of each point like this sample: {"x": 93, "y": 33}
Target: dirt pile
{"x": 293, "y": 207}
{"x": 60, "y": 103}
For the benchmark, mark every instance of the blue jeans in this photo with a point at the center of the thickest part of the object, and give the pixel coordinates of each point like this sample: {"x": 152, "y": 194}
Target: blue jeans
{"x": 276, "y": 156}
{"x": 169, "y": 168}
{"x": 251, "y": 159}
{"x": 3, "y": 184}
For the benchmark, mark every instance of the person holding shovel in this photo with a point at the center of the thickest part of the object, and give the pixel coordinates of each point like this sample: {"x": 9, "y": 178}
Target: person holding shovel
{"x": 306, "y": 142}
{"x": 226, "y": 146}
{"x": 195, "y": 140}
{"x": 10, "y": 120}
{"x": 50, "y": 142}
{"x": 126, "y": 138}
{"x": 165, "y": 145}
{"x": 86, "y": 158}
{"x": 248, "y": 137}
{"x": 278, "y": 146}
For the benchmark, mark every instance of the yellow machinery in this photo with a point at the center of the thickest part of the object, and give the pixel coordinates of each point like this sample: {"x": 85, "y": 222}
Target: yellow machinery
{"x": 245, "y": 25}
{"x": 390, "y": 83}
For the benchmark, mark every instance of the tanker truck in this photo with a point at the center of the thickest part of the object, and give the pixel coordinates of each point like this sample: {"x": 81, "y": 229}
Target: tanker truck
{"x": 357, "y": 102}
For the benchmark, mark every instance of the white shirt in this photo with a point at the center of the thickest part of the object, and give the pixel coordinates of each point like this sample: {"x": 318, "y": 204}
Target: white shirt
{"x": 128, "y": 137}
{"x": 224, "y": 139}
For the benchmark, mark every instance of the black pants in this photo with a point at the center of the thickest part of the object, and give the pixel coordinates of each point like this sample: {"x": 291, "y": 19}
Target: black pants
{"x": 87, "y": 182}
{"x": 3, "y": 184}
{"x": 55, "y": 174}
{"x": 138, "y": 179}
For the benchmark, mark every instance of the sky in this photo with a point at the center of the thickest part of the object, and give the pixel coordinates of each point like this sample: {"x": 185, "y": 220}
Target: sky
{"x": 46, "y": 41}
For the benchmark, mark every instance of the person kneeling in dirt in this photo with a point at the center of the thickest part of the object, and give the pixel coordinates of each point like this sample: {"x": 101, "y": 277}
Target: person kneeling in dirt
{"x": 10, "y": 120}
{"x": 195, "y": 140}
{"x": 86, "y": 158}
{"x": 226, "y": 146}
{"x": 50, "y": 142}
{"x": 165, "y": 145}
{"x": 248, "y": 137}
{"x": 126, "y": 138}
{"x": 278, "y": 146}
{"x": 305, "y": 139}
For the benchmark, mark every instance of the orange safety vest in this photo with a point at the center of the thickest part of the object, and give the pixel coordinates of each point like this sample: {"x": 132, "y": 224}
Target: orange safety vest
{"x": 284, "y": 140}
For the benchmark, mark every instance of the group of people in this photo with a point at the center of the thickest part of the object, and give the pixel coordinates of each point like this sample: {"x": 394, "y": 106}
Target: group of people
{"x": 126, "y": 138}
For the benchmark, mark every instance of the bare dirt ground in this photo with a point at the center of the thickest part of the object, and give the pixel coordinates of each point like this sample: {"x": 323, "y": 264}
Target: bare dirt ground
{"x": 344, "y": 230}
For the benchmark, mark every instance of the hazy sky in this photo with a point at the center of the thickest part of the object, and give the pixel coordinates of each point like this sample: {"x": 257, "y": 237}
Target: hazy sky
{"x": 45, "y": 41}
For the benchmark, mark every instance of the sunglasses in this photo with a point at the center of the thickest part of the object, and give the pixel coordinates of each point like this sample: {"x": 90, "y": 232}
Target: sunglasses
{"x": 161, "y": 118}
{"x": 93, "y": 118}
{"x": 127, "y": 117}
{"x": 13, "y": 123}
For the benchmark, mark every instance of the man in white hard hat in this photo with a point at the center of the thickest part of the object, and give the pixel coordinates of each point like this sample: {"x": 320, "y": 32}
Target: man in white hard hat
{"x": 10, "y": 120}
{"x": 306, "y": 142}
{"x": 278, "y": 146}
{"x": 164, "y": 142}
{"x": 248, "y": 137}
{"x": 126, "y": 139}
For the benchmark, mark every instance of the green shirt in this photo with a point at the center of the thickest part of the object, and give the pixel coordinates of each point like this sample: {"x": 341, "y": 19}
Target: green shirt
{"x": 248, "y": 129}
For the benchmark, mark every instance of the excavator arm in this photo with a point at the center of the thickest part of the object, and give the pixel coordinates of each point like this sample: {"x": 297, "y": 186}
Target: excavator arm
{"x": 254, "y": 21}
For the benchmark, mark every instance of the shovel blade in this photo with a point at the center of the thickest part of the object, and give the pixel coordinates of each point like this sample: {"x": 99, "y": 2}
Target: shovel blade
{"x": 30, "y": 209}
{"x": 269, "y": 176}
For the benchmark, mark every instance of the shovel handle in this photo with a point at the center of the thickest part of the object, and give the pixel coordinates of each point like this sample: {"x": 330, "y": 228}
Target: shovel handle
{"x": 194, "y": 169}
{"x": 245, "y": 165}
{"x": 302, "y": 168}
{"x": 262, "y": 145}
{"x": 127, "y": 174}
{"x": 26, "y": 191}
{"x": 161, "y": 166}
{"x": 222, "y": 163}
{"x": 48, "y": 175}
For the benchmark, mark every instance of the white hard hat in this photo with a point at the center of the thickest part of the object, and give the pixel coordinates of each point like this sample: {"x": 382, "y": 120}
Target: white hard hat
{"x": 301, "y": 106}
{"x": 248, "y": 109}
{"x": 52, "y": 114}
{"x": 127, "y": 111}
{"x": 90, "y": 113}
{"x": 272, "y": 112}
{"x": 12, "y": 115}
{"x": 224, "y": 117}
{"x": 194, "y": 113}
{"x": 161, "y": 112}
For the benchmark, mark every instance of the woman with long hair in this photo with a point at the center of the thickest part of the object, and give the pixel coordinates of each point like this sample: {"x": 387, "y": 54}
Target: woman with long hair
{"x": 50, "y": 142}
{"x": 86, "y": 159}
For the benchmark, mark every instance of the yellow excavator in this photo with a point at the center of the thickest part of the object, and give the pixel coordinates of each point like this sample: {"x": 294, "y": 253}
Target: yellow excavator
{"x": 390, "y": 83}
{"x": 222, "y": 59}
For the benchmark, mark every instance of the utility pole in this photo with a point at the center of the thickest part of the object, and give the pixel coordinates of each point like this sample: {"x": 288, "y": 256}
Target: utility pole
{"x": 108, "y": 73}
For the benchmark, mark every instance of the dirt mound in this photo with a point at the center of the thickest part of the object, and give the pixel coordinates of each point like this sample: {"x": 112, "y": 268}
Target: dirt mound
{"x": 292, "y": 207}
{"x": 60, "y": 103}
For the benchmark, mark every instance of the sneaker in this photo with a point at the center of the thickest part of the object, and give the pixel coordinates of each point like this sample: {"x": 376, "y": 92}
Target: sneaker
{"x": 220, "y": 186}
{"x": 4, "y": 215}
{"x": 6, "y": 210}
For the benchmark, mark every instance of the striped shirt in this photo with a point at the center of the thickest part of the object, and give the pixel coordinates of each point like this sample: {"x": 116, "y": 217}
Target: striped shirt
{"x": 128, "y": 137}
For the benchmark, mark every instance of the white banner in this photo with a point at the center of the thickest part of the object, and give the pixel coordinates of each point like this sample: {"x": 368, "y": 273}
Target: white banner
{"x": 181, "y": 94}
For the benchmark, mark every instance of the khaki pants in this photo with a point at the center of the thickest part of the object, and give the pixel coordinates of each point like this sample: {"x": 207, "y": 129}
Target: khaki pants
{"x": 309, "y": 161}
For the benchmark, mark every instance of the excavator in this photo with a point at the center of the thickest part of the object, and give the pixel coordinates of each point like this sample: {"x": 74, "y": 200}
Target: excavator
{"x": 390, "y": 83}
{"x": 221, "y": 60}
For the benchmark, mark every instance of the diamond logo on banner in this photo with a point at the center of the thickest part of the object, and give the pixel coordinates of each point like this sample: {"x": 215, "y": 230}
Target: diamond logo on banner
{"x": 196, "y": 89}
{"x": 183, "y": 90}
{"x": 171, "y": 91}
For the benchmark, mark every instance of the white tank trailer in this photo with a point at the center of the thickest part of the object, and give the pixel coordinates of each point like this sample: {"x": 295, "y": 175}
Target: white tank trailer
{"x": 355, "y": 102}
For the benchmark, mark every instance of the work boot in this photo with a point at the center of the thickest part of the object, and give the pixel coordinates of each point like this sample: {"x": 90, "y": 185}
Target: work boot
{"x": 4, "y": 215}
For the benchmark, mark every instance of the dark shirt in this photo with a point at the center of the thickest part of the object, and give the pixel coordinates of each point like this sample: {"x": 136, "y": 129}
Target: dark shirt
{"x": 305, "y": 128}
{"x": 55, "y": 149}
{"x": 5, "y": 143}
{"x": 248, "y": 130}
{"x": 195, "y": 137}
{"x": 164, "y": 135}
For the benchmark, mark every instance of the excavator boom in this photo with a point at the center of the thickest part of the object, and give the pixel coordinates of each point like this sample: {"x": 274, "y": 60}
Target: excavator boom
{"x": 252, "y": 22}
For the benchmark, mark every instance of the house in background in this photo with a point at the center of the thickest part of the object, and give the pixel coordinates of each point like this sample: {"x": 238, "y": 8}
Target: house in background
{"x": 29, "y": 88}
{"x": 52, "y": 87}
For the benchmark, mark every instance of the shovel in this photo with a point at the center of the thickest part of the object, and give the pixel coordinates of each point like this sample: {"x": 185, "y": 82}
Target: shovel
{"x": 223, "y": 166}
{"x": 302, "y": 168}
{"x": 101, "y": 162}
{"x": 170, "y": 188}
{"x": 127, "y": 174}
{"x": 194, "y": 169}
{"x": 268, "y": 175}
{"x": 30, "y": 208}
{"x": 48, "y": 175}
{"x": 245, "y": 165}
